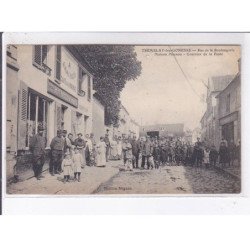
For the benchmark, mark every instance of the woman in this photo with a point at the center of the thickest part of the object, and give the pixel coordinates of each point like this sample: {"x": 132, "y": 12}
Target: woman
{"x": 101, "y": 153}
{"x": 113, "y": 150}
{"x": 81, "y": 145}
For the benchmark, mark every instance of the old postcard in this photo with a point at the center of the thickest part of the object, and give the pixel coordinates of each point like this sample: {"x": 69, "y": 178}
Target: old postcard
{"x": 101, "y": 119}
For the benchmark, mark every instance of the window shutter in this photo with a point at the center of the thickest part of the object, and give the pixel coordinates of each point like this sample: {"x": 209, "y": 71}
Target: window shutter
{"x": 44, "y": 54}
{"x": 22, "y": 116}
{"x": 38, "y": 54}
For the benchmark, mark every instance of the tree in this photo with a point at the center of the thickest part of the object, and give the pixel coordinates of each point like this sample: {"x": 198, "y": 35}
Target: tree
{"x": 113, "y": 66}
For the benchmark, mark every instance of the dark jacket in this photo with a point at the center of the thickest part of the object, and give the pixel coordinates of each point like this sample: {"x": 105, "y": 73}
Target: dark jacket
{"x": 57, "y": 143}
{"x": 38, "y": 144}
{"x": 135, "y": 147}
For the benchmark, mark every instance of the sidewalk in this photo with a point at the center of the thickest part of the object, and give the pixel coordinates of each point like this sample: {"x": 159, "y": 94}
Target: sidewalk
{"x": 234, "y": 170}
{"x": 91, "y": 179}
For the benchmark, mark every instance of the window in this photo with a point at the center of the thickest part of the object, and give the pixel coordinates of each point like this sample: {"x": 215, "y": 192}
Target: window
{"x": 41, "y": 57}
{"x": 58, "y": 62}
{"x": 37, "y": 114}
{"x": 228, "y": 103}
{"x": 82, "y": 81}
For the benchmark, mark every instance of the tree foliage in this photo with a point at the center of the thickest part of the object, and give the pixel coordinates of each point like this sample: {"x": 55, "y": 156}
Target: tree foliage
{"x": 113, "y": 66}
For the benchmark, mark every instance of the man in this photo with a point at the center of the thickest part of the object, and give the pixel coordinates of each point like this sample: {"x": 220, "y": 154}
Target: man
{"x": 67, "y": 142}
{"x": 37, "y": 148}
{"x": 57, "y": 146}
{"x": 147, "y": 151}
{"x": 107, "y": 141}
{"x": 135, "y": 151}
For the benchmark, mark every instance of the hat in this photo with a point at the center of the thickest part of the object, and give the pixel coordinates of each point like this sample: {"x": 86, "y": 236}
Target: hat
{"x": 79, "y": 134}
{"x": 40, "y": 127}
{"x": 64, "y": 131}
{"x": 59, "y": 131}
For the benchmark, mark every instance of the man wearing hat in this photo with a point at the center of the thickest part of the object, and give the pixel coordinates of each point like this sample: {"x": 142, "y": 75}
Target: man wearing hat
{"x": 57, "y": 146}
{"x": 37, "y": 148}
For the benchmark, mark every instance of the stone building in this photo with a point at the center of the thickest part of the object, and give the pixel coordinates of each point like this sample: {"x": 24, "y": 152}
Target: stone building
{"x": 229, "y": 101}
{"x": 49, "y": 85}
{"x": 210, "y": 121}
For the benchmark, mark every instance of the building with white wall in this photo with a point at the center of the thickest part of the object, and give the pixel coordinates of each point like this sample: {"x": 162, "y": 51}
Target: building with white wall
{"x": 49, "y": 85}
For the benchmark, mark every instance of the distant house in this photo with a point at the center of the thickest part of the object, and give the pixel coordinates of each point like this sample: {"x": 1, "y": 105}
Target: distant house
{"x": 166, "y": 130}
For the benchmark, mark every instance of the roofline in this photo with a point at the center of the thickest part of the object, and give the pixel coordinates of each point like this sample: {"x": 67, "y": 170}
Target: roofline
{"x": 237, "y": 75}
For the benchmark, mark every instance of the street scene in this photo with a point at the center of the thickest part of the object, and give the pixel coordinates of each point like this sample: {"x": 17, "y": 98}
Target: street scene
{"x": 123, "y": 119}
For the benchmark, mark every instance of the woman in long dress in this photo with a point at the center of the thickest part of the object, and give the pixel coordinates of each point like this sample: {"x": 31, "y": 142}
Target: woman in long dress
{"x": 101, "y": 153}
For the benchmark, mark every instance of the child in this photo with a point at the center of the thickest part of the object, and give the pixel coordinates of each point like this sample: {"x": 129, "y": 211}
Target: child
{"x": 67, "y": 165}
{"x": 206, "y": 157}
{"x": 151, "y": 162}
{"x": 78, "y": 164}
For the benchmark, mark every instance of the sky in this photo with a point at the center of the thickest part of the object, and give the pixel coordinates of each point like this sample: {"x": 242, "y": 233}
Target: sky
{"x": 162, "y": 94}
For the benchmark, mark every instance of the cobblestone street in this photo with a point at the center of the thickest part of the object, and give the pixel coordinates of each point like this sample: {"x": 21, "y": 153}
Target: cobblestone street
{"x": 111, "y": 180}
{"x": 171, "y": 180}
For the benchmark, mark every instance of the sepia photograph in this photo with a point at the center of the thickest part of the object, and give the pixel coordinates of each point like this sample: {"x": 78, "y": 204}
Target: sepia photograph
{"x": 122, "y": 119}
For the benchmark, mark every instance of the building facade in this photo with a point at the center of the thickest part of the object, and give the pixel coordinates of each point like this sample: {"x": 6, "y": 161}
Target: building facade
{"x": 47, "y": 85}
{"x": 210, "y": 122}
{"x": 230, "y": 111}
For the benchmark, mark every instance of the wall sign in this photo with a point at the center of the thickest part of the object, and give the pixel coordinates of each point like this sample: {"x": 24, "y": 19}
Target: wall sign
{"x": 69, "y": 70}
{"x": 60, "y": 93}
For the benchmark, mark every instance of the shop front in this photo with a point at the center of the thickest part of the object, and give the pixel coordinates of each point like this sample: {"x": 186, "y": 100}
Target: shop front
{"x": 59, "y": 97}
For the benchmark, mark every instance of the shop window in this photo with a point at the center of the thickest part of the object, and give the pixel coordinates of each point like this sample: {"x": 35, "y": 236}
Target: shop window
{"x": 37, "y": 114}
{"x": 58, "y": 62}
{"x": 41, "y": 57}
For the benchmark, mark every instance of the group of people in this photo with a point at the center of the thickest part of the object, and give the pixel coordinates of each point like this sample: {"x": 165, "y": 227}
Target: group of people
{"x": 153, "y": 152}
{"x": 69, "y": 156}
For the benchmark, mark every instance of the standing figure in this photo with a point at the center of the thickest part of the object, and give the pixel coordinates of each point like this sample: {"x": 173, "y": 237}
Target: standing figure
{"x": 119, "y": 148}
{"x": 157, "y": 155}
{"x": 127, "y": 147}
{"x": 78, "y": 164}
{"x": 57, "y": 147}
{"x": 113, "y": 150}
{"x": 213, "y": 155}
{"x": 67, "y": 167}
{"x": 81, "y": 145}
{"x": 206, "y": 157}
{"x": 223, "y": 154}
{"x": 135, "y": 151}
{"x": 88, "y": 150}
{"x": 101, "y": 153}
{"x": 147, "y": 151}
{"x": 107, "y": 141}
{"x": 37, "y": 148}
{"x": 93, "y": 154}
